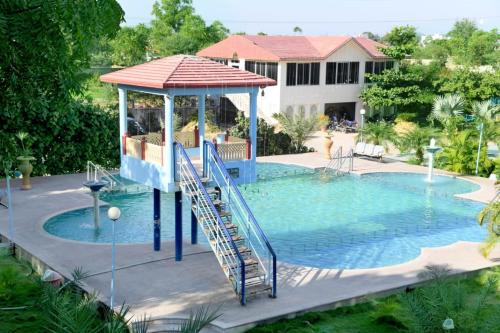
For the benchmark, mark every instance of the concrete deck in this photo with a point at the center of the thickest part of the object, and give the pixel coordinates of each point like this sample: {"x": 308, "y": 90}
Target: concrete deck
{"x": 153, "y": 283}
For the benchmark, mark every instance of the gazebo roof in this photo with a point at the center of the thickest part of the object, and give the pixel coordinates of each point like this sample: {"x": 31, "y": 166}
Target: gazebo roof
{"x": 185, "y": 71}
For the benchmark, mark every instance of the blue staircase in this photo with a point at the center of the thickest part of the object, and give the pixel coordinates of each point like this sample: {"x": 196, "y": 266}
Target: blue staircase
{"x": 239, "y": 244}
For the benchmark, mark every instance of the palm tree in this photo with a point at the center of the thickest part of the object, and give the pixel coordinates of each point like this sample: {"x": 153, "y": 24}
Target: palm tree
{"x": 446, "y": 109}
{"x": 416, "y": 139}
{"x": 487, "y": 113}
{"x": 379, "y": 133}
{"x": 485, "y": 110}
{"x": 298, "y": 127}
{"x": 490, "y": 216}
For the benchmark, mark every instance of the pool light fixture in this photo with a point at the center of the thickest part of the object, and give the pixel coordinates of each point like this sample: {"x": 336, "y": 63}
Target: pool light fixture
{"x": 114, "y": 214}
{"x": 362, "y": 113}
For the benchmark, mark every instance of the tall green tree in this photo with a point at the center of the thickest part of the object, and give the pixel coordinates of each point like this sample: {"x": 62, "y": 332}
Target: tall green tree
{"x": 130, "y": 45}
{"x": 44, "y": 48}
{"x": 470, "y": 84}
{"x": 402, "y": 42}
{"x": 176, "y": 28}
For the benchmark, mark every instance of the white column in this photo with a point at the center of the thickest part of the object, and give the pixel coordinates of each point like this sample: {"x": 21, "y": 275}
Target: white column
{"x": 253, "y": 124}
{"x": 201, "y": 122}
{"x": 168, "y": 155}
{"x": 122, "y": 102}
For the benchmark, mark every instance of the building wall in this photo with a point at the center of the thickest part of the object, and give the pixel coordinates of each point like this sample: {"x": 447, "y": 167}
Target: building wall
{"x": 307, "y": 96}
{"x": 310, "y": 98}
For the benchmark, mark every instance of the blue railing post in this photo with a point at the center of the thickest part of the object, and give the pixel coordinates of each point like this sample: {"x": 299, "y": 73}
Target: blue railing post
{"x": 157, "y": 221}
{"x": 194, "y": 228}
{"x": 178, "y": 225}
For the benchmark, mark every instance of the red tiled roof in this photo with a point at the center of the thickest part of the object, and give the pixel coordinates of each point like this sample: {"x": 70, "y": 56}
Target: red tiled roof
{"x": 185, "y": 71}
{"x": 275, "y": 48}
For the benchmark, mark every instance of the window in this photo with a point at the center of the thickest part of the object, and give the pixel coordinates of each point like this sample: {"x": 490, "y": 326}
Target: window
{"x": 302, "y": 74}
{"x": 272, "y": 70}
{"x": 315, "y": 73}
{"x": 368, "y": 70}
{"x": 377, "y": 67}
{"x": 260, "y": 68}
{"x": 342, "y": 72}
{"x": 250, "y": 66}
{"x": 353, "y": 72}
{"x": 291, "y": 74}
{"x": 331, "y": 72}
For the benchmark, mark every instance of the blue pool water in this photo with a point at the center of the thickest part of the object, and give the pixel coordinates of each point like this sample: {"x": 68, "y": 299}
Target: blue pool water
{"x": 351, "y": 221}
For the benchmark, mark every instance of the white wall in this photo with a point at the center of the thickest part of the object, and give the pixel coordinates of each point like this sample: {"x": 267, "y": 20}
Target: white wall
{"x": 319, "y": 95}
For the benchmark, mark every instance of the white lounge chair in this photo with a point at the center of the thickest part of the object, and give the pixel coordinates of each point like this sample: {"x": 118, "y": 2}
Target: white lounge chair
{"x": 360, "y": 148}
{"x": 369, "y": 150}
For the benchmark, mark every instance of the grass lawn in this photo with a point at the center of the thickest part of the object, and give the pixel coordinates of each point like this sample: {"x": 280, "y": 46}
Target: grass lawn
{"x": 457, "y": 298}
{"x": 20, "y": 292}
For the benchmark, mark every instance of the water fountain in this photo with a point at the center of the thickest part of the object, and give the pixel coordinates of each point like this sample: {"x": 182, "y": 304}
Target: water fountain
{"x": 431, "y": 150}
{"x": 95, "y": 186}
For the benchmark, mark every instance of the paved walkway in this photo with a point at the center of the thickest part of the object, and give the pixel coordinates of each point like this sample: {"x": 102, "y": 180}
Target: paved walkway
{"x": 153, "y": 283}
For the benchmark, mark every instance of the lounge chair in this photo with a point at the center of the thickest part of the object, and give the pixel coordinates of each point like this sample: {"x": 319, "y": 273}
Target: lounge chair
{"x": 369, "y": 150}
{"x": 360, "y": 148}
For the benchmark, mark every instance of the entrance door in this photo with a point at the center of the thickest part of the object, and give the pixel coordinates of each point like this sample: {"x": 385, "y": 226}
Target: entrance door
{"x": 341, "y": 110}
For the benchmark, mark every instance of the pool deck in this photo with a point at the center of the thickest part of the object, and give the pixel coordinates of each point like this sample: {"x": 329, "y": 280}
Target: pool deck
{"x": 153, "y": 283}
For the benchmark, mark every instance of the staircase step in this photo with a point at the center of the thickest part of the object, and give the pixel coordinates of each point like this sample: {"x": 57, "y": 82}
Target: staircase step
{"x": 241, "y": 249}
{"x": 257, "y": 289}
{"x": 249, "y": 263}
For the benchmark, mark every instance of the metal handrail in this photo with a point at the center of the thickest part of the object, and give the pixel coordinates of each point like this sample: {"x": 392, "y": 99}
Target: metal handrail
{"x": 338, "y": 160}
{"x": 93, "y": 170}
{"x": 205, "y": 199}
{"x": 211, "y": 152}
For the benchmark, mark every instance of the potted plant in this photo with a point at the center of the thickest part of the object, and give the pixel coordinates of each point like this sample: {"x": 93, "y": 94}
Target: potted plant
{"x": 323, "y": 121}
{"x": 25, "y": 160}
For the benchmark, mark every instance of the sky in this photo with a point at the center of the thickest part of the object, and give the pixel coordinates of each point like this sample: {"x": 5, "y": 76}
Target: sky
{"x": 331, "y": 17}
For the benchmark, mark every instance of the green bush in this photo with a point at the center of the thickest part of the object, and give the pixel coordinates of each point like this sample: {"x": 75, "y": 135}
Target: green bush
{"x": 66, "y": 139}
{"x": 268, "y": 142}
{"x": 406, "y": 116}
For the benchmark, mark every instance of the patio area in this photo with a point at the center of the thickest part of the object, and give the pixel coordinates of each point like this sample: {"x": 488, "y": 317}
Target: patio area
{"x": 153, "y": 283}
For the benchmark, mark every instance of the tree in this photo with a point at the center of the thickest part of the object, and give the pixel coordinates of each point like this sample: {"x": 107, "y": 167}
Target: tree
{"x": 402, "y": 42}
{"x": 298, "y": 127}
{"x": 130, "y": 45}
{"x": 297, "y": 30}
{"x": 371, "y": 35}
{"x": 44, "y": 48}
{"x": 416, "y": 139}
{"x": 461, "y": 153}
{"x": 471, "y": 85}
{"x": 378, "y": 133}
{"x": 490, "y": 216}
{"x": 448, "y": 111}
{"x": 176, "y": 28}
{"x": 459, "y": 38}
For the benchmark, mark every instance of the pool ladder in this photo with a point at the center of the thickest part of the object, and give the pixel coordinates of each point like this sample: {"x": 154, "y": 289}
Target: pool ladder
{"x": 338, "y": 160}
{"x": 96, "y": 172}
{"x": 241, "y": 248}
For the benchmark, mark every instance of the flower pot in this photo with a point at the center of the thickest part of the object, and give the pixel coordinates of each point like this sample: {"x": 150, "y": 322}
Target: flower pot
{"x": 26, "y": 168}
{"x": 327, "y": 145}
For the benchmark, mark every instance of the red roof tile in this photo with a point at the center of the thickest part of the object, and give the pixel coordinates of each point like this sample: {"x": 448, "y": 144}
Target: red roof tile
{"x": 185, "y": 71}
{"x": 274, "y": 48}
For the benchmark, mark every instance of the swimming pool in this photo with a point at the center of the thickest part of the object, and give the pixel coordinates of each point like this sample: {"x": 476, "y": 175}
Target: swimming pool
{"x": 351, "y": 221}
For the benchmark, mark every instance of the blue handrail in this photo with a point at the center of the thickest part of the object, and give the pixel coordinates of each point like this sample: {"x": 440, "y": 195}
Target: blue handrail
{"x": 214, "y": 211}
{"x": 249, "y": 212}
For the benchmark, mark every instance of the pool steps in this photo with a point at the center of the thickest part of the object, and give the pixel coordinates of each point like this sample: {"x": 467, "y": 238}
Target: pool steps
{"x": 241, "y": 248}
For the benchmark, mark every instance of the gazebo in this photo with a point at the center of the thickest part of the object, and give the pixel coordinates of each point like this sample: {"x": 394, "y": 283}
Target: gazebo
{"x": 181, "y": 75}
{"x": 164, "y": 161}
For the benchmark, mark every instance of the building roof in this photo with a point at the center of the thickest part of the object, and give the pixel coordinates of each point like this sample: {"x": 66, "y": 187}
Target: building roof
{"x": 276, "y": 48}
{"x": 185, "y": 71}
